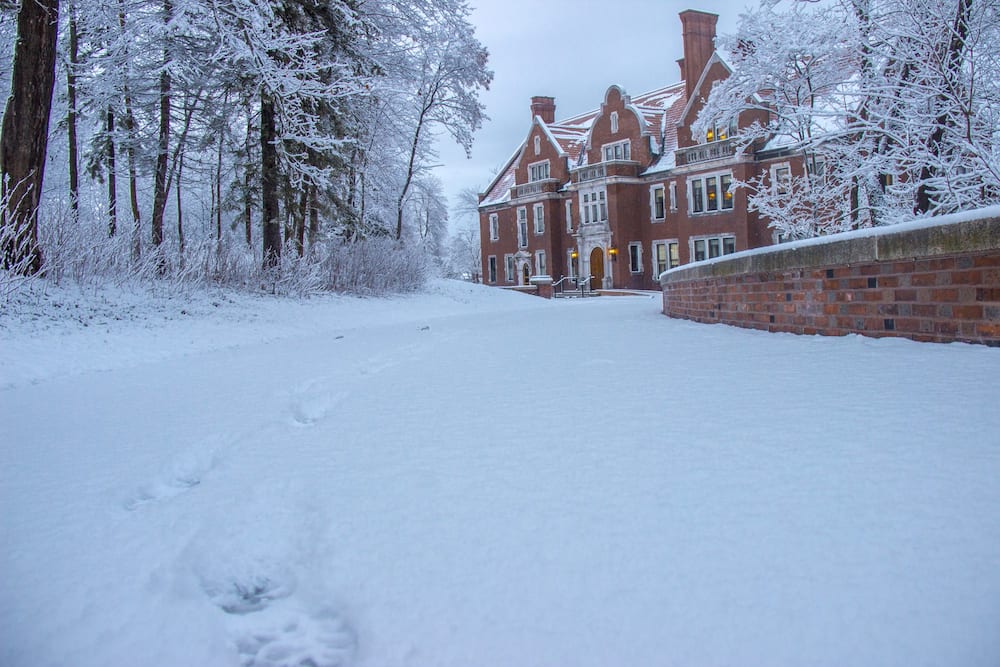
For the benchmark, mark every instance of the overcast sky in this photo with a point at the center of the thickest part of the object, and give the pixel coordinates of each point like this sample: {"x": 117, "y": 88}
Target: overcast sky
{"x": 571, "y": 50}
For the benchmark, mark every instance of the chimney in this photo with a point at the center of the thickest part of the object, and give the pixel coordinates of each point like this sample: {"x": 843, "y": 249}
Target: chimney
{"x": 698, "y": 34}
{"x": 545, "y": 107}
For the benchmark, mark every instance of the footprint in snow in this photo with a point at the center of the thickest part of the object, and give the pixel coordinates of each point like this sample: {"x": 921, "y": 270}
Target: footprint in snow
{"x": 183, "y": 474}
{"x": 298, "y": 639}
{"x": 314, "y": 401}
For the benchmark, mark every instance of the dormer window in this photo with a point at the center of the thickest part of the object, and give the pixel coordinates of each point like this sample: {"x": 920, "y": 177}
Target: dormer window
{"x": 538, "y": 145}
{"x": 614, "y": 122}
{"x": 538, "y": 171}
{"x": 720, "y": 132}
{"x": 620, "y": 150}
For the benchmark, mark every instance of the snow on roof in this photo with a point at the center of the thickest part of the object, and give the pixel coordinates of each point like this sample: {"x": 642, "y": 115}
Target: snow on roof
{"x": 660, "y": 109}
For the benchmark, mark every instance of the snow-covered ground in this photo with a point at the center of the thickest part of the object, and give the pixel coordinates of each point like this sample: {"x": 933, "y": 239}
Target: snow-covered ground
{"x": 474, "y": 477}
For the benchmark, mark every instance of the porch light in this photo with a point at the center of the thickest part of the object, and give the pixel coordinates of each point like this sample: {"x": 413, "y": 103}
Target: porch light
{"x": 613, "y": 252}
{"x": 574, "y": 254}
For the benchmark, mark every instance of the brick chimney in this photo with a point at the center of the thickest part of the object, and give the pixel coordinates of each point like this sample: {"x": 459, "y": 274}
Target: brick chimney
{"x": 698, "y": 34}
{"x": 545, "y": 107}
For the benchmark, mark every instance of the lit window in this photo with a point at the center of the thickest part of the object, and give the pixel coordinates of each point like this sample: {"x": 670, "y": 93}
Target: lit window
{"x": 726, "y": 183}
{"x": 711, "y": 193}
{"x": 711, "y": 188}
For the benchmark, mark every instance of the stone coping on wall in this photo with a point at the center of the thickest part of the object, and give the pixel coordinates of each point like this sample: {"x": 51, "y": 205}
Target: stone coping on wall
{"x": 958, "y": 233}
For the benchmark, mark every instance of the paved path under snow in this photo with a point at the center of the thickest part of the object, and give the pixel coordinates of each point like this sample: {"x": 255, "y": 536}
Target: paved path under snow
{"x": 481, "y": 478}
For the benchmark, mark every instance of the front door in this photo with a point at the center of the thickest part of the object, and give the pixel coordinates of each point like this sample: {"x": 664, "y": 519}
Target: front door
{"x": 526, "y": 275}
{"x": 597, "y": 268}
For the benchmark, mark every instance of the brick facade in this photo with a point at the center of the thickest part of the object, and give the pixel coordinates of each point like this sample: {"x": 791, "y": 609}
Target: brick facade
{"x": 625, "y": 187}
{"x": 935, "y": 284}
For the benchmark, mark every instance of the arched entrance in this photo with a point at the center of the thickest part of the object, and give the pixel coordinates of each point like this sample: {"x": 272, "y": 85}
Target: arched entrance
{"x": 597, "y": 268}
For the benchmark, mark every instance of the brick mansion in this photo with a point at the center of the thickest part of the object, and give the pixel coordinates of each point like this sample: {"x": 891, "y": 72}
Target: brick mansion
{"x": 626, "y": 191}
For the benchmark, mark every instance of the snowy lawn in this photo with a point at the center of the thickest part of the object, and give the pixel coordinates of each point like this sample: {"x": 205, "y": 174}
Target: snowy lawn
{"x": 476, "y": 478}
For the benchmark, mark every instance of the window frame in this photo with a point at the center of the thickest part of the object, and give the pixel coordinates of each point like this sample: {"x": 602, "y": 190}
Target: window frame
{"x": 494, "y": 227}
{"x": 541, "y": 265}
{"x": 635, "y": 257}
{"x": 522, "y": 227}
{"x": 657, "y": 207}
{"x": 491, "y": 269}
{"x": 614, "y": 122}
{"x": 535, "y": 171}
{"x": 625, "y": 154}
{"x": 538, "y": 218}
{"x": 701, "y": 189}
{"x": 724, "y": 241}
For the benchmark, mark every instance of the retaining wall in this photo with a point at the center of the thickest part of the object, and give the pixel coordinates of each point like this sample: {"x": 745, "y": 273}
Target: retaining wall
{"x": 935, "y": 281}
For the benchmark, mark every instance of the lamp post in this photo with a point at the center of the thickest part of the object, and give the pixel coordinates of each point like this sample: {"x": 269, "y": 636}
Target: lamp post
{"x": 573, "y": 255}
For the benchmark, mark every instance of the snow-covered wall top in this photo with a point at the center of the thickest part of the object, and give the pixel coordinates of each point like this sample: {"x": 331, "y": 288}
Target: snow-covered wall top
{"x": 969, "y": 231}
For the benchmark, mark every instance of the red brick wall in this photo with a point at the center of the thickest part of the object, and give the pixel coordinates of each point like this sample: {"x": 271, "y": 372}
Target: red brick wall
{"x": 907, "y": 286}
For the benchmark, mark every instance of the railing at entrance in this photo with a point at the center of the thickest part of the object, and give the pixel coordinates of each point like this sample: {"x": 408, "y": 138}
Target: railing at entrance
{"x": 580, "y": 287}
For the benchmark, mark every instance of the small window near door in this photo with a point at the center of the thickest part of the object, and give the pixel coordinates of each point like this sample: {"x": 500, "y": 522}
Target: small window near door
{"x": 635, "y": 257}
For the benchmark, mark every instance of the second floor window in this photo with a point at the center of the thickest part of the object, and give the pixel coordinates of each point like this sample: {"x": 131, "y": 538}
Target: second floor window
{"x": 658, "y": 209}
{"x": 539, "y": 219}
{"x": 538, "y": 171}
{"x": 494, "y": 227}
{"x": 522, "y": 227}
{"x": 621, "y": 150}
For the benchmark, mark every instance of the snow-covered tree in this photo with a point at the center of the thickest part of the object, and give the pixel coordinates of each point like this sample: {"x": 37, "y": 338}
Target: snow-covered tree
{"x": 893, "y": 104}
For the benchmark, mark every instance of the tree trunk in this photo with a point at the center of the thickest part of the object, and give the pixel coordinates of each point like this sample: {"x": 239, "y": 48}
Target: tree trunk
{"x": 269, "y": 181}
{"x": 74, "y": 162}
{"x": 180, "y": 211}
{"x": 313, "y": 216}
{"x": 248, "y": 185}
{"x": 24, "y": 136}
{"x": 163, "y": 143}
{"x": 953, "y": 71}
{"x": 112, "y": 177}
{"x": 133, "y": 190}
{"x": 218, "y": 191}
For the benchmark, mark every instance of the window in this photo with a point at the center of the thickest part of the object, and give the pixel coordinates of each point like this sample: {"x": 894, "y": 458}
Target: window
{"x": 714, "y": 246}
{"x": 522, "y": 227}
{"x": 510, "y": 271}
{"x": 711, "y": 193}
{"x": 781, "y": 178}
{"x": 720, "y": 131}
{"x": 711, "y": 188}
{"x": 569, "y": 217}
{"x": 539, "y": 218}
{"x": 594, "y": 206}
{"x": 494, "y": 227}
{"x": 673, "y": 195}
{"x": 538, "y": 145}
{"x": 538, "y": 171}
{"x": 635, "y": 257}
{"x": 657, "y": 203}
{"x": 614, "y": 122}
{"x": 492, "y": 268}
{"x": 540, "y": 268}
{"x": 659, "y": 257}
{"x": 816, "y": 166}
{"x": 618, "y": 151}
{"x": 665, "y": 256}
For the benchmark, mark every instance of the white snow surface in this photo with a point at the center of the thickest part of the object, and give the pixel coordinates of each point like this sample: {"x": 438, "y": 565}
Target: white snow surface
{"x": 476, "y": 477}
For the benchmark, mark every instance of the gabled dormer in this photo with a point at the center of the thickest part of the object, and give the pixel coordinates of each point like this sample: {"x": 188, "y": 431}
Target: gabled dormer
{"x": 620, "y": 133}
